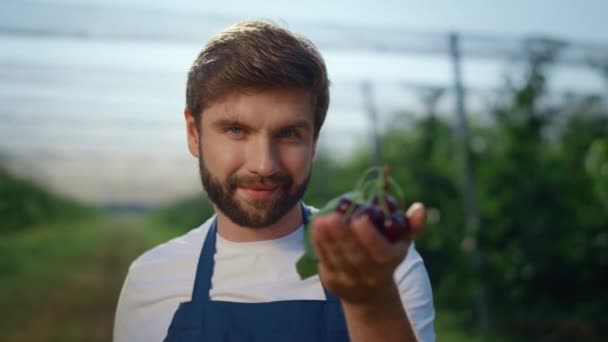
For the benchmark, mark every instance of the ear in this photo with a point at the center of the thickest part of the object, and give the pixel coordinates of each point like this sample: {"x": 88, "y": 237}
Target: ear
{"x": 192, "y": 131}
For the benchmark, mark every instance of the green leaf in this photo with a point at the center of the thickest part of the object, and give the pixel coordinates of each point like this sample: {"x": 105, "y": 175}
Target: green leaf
{"x": 309, "y": 250}
{"x": 306, "y": 267}
{"x": 309, "y": 259}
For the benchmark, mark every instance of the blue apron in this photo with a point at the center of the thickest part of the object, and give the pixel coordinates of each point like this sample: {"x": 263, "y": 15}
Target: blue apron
{"x": 207, "y": 320}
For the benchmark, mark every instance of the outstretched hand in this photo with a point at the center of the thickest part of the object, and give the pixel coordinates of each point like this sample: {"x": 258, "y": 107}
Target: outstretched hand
{"x": 356, "y": 262}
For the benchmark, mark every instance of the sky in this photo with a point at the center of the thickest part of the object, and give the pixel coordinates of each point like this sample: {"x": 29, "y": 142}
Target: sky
{"x": 582, "y": 20}
{"x": 91, "y": 91}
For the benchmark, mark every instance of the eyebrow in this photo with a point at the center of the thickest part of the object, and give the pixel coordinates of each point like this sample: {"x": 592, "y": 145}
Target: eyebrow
{"x": 223, "y": 123}
{"x": 298, "y": 124}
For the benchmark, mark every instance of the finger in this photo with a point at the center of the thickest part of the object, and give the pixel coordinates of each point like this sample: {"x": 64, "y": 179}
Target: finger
{"x": 357, "y": 254}
{"x": 331, "y": 227}
{"x": 416, "y": 215}
{"x": 331, "y": 243}
{"x": 377, "y": 246}
{"x": 318, "y": 236}
{"x": 348, "y": 254}
{"x": 339, "y": 246}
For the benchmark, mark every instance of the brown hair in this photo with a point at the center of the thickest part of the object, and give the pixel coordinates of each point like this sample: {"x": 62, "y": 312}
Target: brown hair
{"x": 257, "y": 55}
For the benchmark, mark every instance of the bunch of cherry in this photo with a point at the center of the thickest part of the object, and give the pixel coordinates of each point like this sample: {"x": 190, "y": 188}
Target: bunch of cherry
{"x": 374, "y": 196}
{"x": 383, "y": 211}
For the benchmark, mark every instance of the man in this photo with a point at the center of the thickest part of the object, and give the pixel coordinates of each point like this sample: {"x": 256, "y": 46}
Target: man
{"x": 257, "y": 96}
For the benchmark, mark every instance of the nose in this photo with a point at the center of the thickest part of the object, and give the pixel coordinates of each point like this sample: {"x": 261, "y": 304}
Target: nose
{"x": 263, "y": 157}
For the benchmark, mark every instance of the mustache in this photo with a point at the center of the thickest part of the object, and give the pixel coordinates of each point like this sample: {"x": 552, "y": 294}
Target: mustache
{"x": 277, "y": 179}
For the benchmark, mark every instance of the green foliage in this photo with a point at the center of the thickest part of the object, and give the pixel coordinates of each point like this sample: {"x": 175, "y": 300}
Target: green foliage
{"x": 542, "y": 211}
{"x": 24, "y": 204}
{"x": 35, "y": 260}
{"x": 542, "y": 192}
{"x": 182, "y": 216}
{"x": 596, "y": 165}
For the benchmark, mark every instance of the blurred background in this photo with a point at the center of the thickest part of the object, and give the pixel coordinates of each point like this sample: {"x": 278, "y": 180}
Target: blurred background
{"x": 495, "y": 115}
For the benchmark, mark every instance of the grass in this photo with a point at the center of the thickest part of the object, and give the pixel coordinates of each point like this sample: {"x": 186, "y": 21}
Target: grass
{"x": 450, "y": 327}
{"x": 61, "y": 282}
{"x": 39, "y": 259}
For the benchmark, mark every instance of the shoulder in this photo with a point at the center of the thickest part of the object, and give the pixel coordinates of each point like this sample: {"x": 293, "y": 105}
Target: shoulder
{"x": 156, "y": 282}
{"x": 311, "y": 209}
{"x": 175, "y": 259}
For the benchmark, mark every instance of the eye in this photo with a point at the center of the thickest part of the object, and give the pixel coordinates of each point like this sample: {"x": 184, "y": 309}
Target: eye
{"x": 288, "y": 133}
{"x": 234, "y": 131}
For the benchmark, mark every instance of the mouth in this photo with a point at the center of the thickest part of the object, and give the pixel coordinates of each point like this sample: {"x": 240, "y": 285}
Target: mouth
{"x": 258, "y": 192}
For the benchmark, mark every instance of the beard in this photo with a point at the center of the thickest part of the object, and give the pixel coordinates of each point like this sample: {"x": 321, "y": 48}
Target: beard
{"x": 252, "y": 213}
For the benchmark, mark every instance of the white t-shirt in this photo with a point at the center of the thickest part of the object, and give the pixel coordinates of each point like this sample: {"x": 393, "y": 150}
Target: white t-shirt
{"x": 251, "y": 272}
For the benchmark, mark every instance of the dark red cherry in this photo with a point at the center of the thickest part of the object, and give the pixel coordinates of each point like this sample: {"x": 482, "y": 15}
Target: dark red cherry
{"x": 391, "y": 203}
{"x": 343, "y": 205}
{"x": 394, "y": 226}
{"x": 373, "y": 214}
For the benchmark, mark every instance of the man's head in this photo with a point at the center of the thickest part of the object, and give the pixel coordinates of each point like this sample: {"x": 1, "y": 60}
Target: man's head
{"x": 253, "y": 56}
{"x": 257, "y": 96}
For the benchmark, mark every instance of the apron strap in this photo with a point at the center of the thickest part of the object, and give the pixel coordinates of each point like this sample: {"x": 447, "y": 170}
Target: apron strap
{"x": 206, "y": 263}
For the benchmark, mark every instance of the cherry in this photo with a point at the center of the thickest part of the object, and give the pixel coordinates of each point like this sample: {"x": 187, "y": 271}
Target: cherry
{"x": 343, "y": 205}
{"x": 392, "y": 224}
{"x": 395, "y": 225}
{"x": 391, "y": 203}
{"x": 373, "y": 214}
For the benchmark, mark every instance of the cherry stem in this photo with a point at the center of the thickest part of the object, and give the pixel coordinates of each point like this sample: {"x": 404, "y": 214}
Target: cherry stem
{"x": 349, "y": 211}
{"x": 368, "y": 191}
{"x": 396, "y": 189}
{"x": 366, "y": 174}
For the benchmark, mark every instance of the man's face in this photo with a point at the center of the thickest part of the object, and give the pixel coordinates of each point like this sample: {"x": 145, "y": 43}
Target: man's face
{"x": 255, "y": 154}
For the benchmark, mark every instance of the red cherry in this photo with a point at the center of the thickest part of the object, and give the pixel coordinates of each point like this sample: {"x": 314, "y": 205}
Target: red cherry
{"x": 394, "y": 226}
{"x": 343, "y": 205}
{"x": 391, "y": 203}
{"x": 373, "y": 214}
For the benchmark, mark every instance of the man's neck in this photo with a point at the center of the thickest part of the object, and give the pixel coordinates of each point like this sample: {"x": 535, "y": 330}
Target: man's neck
{"x": 233, "y": 232}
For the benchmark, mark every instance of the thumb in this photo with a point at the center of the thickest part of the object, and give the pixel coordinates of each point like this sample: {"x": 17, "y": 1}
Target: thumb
{"x": 416, "y": 215}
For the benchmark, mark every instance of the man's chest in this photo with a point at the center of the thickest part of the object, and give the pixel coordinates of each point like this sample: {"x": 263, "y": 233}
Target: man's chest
{"x": 261, "y": 276}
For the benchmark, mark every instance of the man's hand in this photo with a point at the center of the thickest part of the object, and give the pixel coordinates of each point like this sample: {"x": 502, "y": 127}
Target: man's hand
{"x": 355, "y": 261}
{"x": 357, "y": 264}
